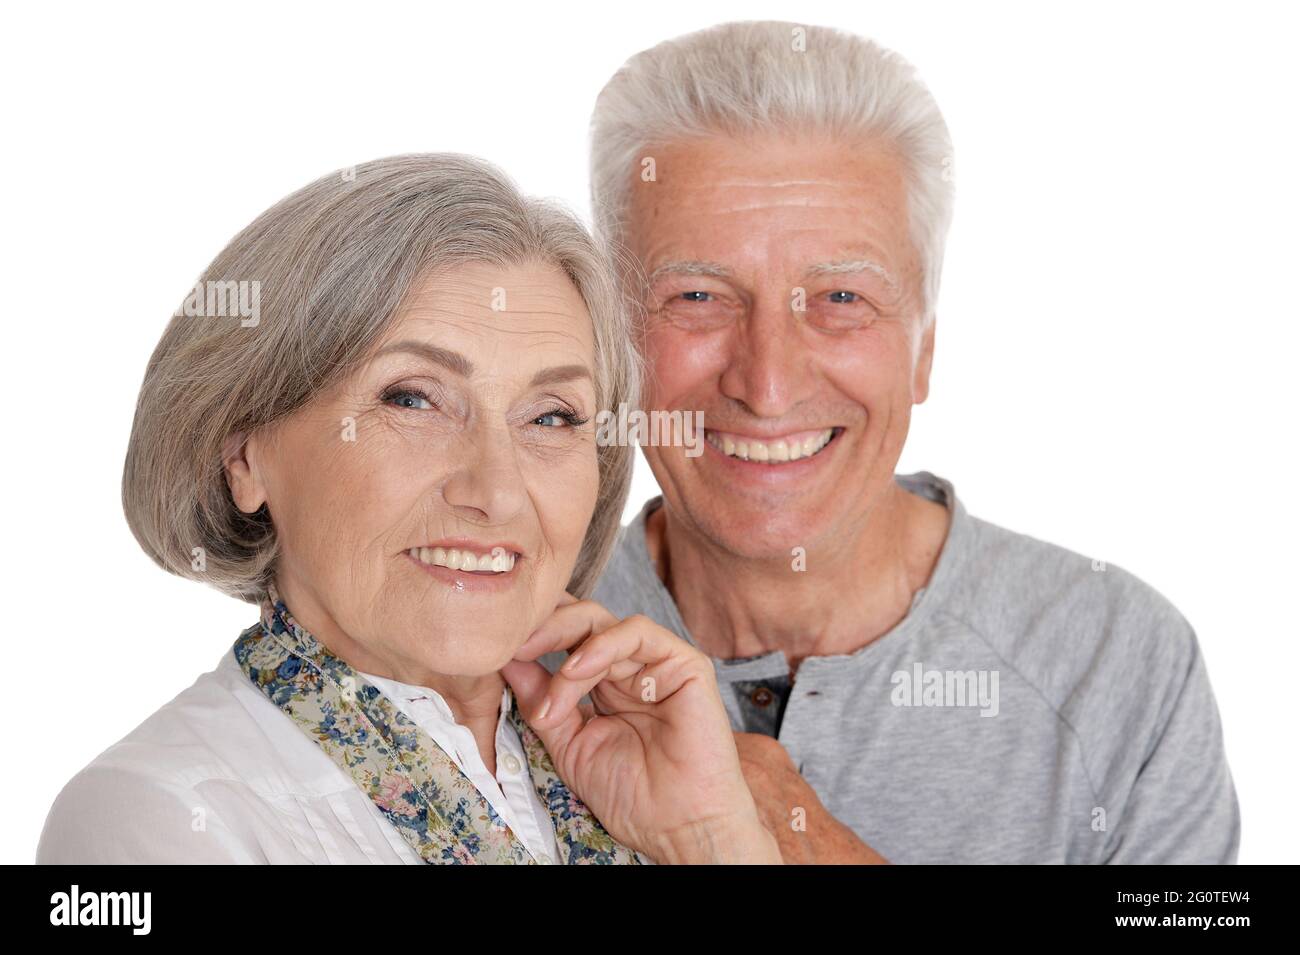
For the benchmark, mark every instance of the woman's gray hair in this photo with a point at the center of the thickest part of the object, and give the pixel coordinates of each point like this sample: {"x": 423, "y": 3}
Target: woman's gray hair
{"x": 327, "y": 270}
{"x": 766, "y": 76}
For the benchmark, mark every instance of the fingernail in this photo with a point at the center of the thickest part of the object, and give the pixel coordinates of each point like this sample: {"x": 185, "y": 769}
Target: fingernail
{"x": 546, "y": 708}
{"x": 572, "y": 662}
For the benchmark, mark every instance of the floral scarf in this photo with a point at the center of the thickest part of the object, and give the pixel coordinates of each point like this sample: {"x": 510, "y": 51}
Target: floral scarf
{"x": 418, "y": 787}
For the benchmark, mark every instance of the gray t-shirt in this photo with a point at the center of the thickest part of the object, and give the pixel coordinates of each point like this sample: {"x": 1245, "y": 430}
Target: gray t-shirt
{"x": 1034, "y": 706}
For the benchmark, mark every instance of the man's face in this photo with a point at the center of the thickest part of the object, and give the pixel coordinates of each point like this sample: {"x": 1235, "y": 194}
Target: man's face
{"x": 785, "y": 303}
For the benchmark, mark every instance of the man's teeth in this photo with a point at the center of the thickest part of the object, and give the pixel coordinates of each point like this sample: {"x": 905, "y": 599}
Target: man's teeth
{"x": 782, "y": 449}
{"x": 498, "y": 562}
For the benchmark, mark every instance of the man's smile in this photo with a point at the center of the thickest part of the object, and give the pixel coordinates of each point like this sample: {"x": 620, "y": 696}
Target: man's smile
{"x": 775, "y": 450}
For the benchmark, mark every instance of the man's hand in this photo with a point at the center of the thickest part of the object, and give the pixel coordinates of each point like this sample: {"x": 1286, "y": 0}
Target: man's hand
{"x": 778, "y": 791}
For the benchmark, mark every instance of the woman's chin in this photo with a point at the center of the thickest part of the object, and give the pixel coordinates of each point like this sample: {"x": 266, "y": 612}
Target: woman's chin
{"x": 460, "y": 644}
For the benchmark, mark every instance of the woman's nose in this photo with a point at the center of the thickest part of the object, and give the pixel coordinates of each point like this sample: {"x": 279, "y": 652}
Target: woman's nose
{"x": 486, "y": 477}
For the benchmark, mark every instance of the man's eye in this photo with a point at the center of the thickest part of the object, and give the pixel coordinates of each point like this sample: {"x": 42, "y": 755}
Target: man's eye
{"x": 844, "y": 298}
{"x": 696, "y": 296}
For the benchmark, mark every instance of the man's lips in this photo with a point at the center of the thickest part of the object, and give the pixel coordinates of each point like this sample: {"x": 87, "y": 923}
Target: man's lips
{"x": 772, "y": 450}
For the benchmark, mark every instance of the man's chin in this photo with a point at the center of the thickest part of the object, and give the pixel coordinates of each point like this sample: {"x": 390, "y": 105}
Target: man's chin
{"x": 760, "y": 535}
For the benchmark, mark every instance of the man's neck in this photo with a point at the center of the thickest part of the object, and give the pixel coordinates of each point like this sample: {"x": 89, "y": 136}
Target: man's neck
{"x": 854, "y": 589}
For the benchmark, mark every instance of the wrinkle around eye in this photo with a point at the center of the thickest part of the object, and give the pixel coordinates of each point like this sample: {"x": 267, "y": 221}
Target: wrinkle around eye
{"x": 558, "y": 444}
{"x": 836, "y": 317}
{"x": 707, "y": 314}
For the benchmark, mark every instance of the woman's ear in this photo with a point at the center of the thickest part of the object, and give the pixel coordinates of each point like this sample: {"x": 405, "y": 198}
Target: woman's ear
{"x": 239, "y": 460}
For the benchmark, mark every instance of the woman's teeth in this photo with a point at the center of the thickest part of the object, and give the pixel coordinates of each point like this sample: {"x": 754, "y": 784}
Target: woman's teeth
{"x": 778, "y": 451}
{"x": 497, "y": 562}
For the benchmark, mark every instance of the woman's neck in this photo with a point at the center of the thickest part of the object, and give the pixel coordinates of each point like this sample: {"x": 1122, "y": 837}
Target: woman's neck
{"x": 475, "y": 701}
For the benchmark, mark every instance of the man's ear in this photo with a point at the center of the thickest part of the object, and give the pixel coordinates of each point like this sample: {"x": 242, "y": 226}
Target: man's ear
{"x": 239, "y": 461}
{"x": 924, "y": 360}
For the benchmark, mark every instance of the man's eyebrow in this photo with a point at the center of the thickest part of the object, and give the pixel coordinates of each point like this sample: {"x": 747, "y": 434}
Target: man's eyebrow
{"x": 821, "y": 268}
{"x": 453, "y": 361}
{"x": 852, "y": 266}
{"x": 689, "y": 268}
{"x": 560, "y": 373}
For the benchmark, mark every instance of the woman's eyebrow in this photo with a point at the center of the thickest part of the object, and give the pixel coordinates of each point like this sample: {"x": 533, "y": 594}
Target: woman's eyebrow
{"x": 455, "y": 361}
{"x": 560, "y": 373}
{"x": 452, "y": 361}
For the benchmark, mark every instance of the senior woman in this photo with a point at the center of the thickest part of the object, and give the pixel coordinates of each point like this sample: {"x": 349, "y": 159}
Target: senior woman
{"x": 389, "y": 448}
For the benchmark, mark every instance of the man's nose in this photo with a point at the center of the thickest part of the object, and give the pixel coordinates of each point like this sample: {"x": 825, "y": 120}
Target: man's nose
{"x": 768, "y": 369}
{"x": 486, "y": 483}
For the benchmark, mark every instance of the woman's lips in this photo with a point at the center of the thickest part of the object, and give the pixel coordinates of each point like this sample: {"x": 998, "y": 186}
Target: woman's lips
{"x": 428, "y": 561}
{"x": 468, "y": 559}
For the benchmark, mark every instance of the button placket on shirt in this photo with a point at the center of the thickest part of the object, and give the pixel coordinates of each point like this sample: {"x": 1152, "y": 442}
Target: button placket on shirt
{"x": 800, "y": 709}
{"x": 516, "y": 782}
{"x": 512, "y": 779}
{"x": 425, "y": 706}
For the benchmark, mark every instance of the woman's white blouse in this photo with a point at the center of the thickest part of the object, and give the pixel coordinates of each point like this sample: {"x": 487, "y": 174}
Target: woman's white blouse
{"x": 511, "y": 790}
{"x": 221, "y": 775}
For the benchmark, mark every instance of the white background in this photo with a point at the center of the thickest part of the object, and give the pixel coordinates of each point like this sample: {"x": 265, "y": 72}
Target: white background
{"x": 1117, "y": 330}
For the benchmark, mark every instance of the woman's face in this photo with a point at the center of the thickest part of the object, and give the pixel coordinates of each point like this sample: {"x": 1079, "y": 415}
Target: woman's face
{"x": 464, "y": 441}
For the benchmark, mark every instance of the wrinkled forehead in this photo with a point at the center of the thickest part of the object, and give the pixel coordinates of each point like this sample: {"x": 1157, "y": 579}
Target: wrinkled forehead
{"x": 500, "y": 321}
{"x": 804, "y": 201}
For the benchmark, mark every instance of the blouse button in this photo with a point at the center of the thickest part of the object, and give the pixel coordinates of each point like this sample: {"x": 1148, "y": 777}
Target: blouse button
{"x": 761, "y": 697}
{"x": 511, "y": 764}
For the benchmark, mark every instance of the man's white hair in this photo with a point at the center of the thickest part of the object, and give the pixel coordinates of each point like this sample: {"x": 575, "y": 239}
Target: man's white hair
{"x": 767, "y": 76}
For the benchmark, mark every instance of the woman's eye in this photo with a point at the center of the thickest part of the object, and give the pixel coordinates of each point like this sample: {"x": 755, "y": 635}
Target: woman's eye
{"x": 405, "y": 398}
{"x": 558, "y": 419}
{"x": 843, "y": 298}
{"x": 695, "y": 296}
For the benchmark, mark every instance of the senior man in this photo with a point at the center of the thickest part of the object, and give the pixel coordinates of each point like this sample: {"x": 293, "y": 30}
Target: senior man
{"x": 907, "y": 682}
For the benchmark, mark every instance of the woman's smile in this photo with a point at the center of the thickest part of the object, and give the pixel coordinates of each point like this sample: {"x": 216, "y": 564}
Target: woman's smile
{"x": 468, "y": 565}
